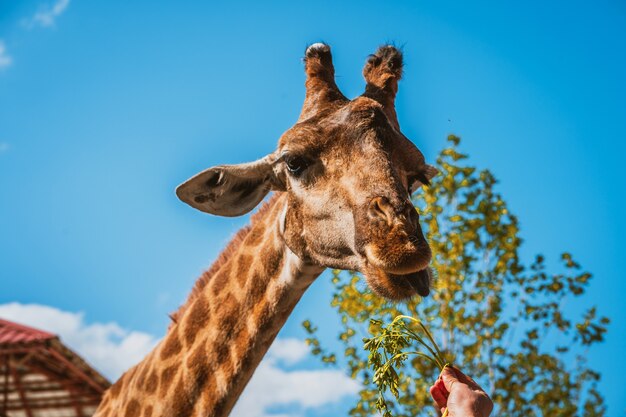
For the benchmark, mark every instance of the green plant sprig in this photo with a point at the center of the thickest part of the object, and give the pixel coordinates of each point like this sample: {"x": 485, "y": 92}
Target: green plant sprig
{"x": 386, "y": 353}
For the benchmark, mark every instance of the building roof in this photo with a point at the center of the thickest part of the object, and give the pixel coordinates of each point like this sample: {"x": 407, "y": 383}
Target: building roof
{"x": 12, "y": 333}
{"x": 41, "y": 377}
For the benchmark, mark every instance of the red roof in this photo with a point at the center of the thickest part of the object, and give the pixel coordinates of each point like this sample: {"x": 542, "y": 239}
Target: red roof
{"x": 39, "y": 376}
{"x": 11, "y": 333}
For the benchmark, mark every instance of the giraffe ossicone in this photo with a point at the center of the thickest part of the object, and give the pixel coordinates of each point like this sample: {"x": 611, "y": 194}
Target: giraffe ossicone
{"x": 341, "y": 179}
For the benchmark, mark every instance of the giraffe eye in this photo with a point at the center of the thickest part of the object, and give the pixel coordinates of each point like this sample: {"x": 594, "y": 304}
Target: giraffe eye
{"x": 296, "y": 164}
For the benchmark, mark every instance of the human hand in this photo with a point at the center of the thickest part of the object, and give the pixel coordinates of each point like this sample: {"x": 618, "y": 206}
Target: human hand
{"x": 460, "y": 394}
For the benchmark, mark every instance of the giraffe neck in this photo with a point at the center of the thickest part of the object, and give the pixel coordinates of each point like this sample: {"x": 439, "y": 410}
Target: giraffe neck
{"x": 208, "y": 356}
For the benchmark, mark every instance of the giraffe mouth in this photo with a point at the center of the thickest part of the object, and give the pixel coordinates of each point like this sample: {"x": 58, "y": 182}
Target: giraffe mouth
{"x": 420, "y": 281}
{"x": 399, "y": 272}
{"x": 398, "y": 286}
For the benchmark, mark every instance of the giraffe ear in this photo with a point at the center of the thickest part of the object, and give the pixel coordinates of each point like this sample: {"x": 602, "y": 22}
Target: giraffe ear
{"x": 230, "y": 190}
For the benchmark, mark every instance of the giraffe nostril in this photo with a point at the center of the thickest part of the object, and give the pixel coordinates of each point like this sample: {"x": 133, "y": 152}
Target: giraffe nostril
{"x": 411, "y": 214}
{"x": 381, "y": 209}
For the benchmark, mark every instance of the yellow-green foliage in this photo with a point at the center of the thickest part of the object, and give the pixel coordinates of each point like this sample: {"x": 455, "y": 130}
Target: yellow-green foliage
{"x": 500, "y": 321}
{"x": 393, "y": 344}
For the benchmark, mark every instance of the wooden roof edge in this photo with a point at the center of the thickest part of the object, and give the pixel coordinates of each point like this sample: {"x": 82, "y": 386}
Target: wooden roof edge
{"x": 82, "y": 366}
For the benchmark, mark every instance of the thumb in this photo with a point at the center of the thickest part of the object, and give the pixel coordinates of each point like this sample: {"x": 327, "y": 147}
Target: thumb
{"x": 448, "y": 376}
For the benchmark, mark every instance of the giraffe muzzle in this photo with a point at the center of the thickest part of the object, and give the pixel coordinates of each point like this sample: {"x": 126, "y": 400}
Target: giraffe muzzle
{"x": 399, "y": 254}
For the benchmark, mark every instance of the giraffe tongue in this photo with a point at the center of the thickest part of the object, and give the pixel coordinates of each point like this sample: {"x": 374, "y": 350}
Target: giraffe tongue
{"x": 420, "y": 281}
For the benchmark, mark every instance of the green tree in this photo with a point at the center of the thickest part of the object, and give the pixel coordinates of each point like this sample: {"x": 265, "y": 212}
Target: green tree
{"x": 499, "y": 320}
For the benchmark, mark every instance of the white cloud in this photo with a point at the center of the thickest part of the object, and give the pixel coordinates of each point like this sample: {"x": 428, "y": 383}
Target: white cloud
{"x": 47, "y": 15}
{"x": 107, "y": 346}
{"x": 288, "y": 351}
{"x": 272, "y": 386}
{"x": 5, "y": 59}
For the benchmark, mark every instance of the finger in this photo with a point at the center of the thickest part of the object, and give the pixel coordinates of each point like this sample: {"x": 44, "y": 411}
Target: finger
{"x": 438, "y": 396}
{"x": 441, "y": 387}
{"x": 449, "y": 378}
{"x": 466, "y": 379}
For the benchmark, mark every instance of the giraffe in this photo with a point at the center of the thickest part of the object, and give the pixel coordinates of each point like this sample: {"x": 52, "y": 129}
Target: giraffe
{"x": 341, "y": 179}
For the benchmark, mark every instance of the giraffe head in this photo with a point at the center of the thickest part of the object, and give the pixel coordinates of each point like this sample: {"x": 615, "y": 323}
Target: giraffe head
{"x": 347, "y": 172}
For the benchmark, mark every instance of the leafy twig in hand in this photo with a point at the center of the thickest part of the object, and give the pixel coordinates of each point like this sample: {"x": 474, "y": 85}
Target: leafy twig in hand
{"x": 386, "y": 354}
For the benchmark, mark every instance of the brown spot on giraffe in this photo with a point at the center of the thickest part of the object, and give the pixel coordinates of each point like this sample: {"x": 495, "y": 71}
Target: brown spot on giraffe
{"x": 265, "y": 312}
{"x": 243, "y": 266}
{"x": 342, "y": 178}
{"x": 196, "y": 319}
{"x": 152, "y": 382}
{"x": 171, "y": 346}
{"x": 254, "y": 238}
{"x": 255, "y": 289}
{"x": 184, "y": 400}
{"x": 133, "y": 408}
{"x": 222, "y": 353}
{"x": 219, "y": 282}
{"x": 243, "y": 343}
{"x": 272, "y": 264}
{"x": 167, "y": 375}
{"x": 231, "y": 315}
{"x": 197, "y": 363}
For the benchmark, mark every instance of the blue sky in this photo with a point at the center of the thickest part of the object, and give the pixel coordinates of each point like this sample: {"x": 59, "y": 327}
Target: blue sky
{"x": 106, "y": 106}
